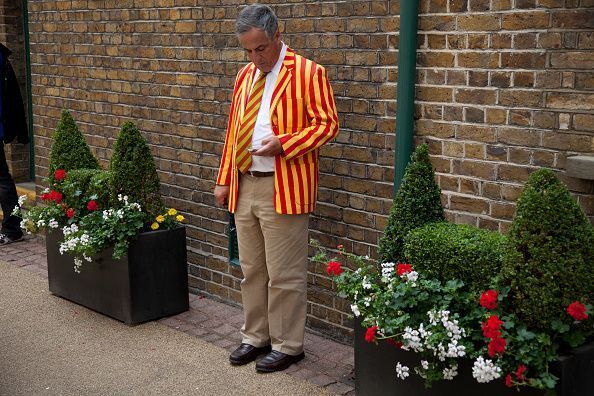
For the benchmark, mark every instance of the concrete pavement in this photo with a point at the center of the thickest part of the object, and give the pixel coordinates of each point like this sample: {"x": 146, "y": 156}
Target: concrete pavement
{"x": 50, "y": 346}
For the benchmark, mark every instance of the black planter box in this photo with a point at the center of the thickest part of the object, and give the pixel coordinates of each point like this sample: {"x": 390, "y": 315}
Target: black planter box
{"x": 148, "y": 283}
{"x": 375, "y": 374}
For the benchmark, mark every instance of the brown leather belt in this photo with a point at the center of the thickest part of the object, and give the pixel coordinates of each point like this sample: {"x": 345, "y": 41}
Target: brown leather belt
{"x": 259, "y": 174}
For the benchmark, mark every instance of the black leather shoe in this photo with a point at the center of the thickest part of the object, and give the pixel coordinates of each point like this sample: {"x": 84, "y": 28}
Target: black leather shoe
{"x": 277, "y": 361}
{"x": 247, "y": 353}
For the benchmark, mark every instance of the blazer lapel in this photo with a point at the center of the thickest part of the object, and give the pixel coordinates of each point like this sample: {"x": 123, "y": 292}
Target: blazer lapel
{"x": 246, "y": 88}
{"x": 284, "y": 77}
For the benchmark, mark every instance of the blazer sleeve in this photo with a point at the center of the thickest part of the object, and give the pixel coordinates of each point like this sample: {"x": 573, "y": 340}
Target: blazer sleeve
{"x": 321, "y": 110}
{"x": 225, "y": 170}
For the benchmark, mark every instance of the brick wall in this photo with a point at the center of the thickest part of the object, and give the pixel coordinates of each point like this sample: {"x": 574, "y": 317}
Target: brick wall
{"x": 13, "y": 37}
{"x": 503, "y": 87}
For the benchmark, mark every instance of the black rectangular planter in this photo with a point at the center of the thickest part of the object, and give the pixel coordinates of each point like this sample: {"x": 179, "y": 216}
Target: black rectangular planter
{"x": 150, "y": 282}
{"x": 375, "y": 374}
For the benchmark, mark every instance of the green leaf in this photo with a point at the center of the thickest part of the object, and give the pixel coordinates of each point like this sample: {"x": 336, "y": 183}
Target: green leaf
{"x": 453, "y": 285}
{"x": 559, "y": 326}
{"x": 524, "y": 335}
{"x": 549, "y": 380}
{"x": 574, "y": 338}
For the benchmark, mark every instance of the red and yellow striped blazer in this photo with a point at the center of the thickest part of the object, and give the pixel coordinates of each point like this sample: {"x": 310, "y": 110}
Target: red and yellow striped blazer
{"x": 303, "y": 116}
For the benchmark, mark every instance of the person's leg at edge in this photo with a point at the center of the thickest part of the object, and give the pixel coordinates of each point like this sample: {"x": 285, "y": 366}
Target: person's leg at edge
{"x": 11, "y": 230}
{"x": 286, "y": 243}
{"x": 254, "y": 293}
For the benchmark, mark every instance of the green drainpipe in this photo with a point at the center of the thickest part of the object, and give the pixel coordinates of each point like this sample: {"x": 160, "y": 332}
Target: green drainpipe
{"x": 29, "y": 95}
{"x": 407, "y": 62}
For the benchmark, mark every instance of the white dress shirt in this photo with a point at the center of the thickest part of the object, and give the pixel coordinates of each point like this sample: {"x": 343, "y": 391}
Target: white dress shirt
{"x": 263, "y": 128}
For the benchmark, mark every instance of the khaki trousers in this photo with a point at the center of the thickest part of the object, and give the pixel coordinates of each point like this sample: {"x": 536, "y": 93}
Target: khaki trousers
{"x": 273, "y": 257}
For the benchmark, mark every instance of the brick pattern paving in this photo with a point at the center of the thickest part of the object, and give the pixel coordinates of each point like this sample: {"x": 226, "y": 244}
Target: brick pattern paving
{"x": 327, "y": 364}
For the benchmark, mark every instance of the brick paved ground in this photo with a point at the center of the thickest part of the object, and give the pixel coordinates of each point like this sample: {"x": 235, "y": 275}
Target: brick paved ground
{"x": 327, "y": 364}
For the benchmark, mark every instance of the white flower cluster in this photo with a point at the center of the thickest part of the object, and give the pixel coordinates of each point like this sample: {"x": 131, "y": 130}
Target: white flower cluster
{"x": 22, "y": 199}
{"x": 71, "y": 242}
{"x": 387, "y": 271}
{"x": 484, "y": 370}
{"x": 401, "y": 371}
{"x": 107, "y": 214}
{"x": 123, "y": 198}
{"x": 367, "y": 301}
{"x": 425, "y": 364}
{"x": 453, "y": 349}
{"x": 366, "y": 283}
{"x": 24, "y": 224}
{"x": 450, "y": 372}
{"x": 70, "y": 230}
{"x": 411, "y": 277}
{"x": 414, "y": 339}
{"x": 77, "y": 264}
{"x": 355, "y": 310}
{"x": 53, "y": 223}
{"x": 17, "y": 208}
{"x": 40, "y": 223}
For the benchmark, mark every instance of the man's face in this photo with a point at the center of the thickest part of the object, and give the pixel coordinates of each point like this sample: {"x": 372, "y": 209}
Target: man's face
{"x": 261, "y": 50}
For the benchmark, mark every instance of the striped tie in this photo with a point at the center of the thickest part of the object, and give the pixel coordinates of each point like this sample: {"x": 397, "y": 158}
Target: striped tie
{"x": 244, "y": 137}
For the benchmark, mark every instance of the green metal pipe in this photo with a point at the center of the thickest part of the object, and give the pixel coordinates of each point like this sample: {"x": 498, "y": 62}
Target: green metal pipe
{"x": 25, "y": 9}
{"x": 407, "y": 62}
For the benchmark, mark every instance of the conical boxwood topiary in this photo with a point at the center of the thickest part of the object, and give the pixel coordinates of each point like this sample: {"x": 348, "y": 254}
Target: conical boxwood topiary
{"x": 416, "y": 203}
{"x": 69, "y": 149}
{"x": 556, "y": 246}
{"x": 133, "y": 171}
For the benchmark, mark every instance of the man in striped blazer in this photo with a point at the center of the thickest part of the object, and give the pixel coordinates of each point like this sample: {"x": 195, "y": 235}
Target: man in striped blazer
{"x": 282, "y": 112}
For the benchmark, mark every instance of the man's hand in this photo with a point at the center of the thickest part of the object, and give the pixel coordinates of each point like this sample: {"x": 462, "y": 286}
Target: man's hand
{"x": 221, "y": 194}
{"x": 270, "y": 147}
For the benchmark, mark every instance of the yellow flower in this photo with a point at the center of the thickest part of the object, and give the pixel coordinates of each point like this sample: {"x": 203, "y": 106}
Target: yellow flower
{"x": 172, "y": 212}
{"x": 160, "y": 219}
{"x": 154, "y": 226}
{"x": 179, "y": 218}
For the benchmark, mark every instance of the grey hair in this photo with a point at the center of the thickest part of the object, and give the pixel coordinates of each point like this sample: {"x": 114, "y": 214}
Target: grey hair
{"x": 257, "y": 16}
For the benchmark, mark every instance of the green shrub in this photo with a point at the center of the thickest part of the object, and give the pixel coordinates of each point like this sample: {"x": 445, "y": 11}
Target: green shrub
{"x": 69, "y": 149}
{"x": 416, "y": 203}
{"x": 83, "y": 185}
{"x": 556, "y": 252}
{"x": 133, "y": 171}
{"x": 99, "y": 188}
{"x": 447, "y": 251}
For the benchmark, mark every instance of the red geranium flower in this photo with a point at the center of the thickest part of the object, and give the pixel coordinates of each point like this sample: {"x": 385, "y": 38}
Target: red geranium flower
{"x": 370, "y": 334}
{"x": 60, "y": 174}
{"x": 54, "y": 196}
{"x": 489, "y": 299}
{"x": 70, "y": 213}
{"x": 508, "y": 381}
{"x": 92, "y": 205}
{"x": 45, "y": 197}
{"x": 491, "y": 328}
{"x": 496, "y": 345}
{"x": 334, "y": 268}
{"x": 402, "y": 269}
{"x": 577, "y": 311}
{"x": 520, "y": 372}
